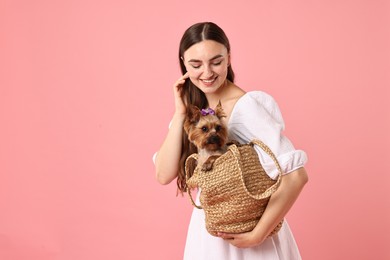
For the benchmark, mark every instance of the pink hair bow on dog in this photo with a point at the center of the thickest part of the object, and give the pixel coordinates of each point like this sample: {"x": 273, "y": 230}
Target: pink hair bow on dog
{"x": 207, "y": 111}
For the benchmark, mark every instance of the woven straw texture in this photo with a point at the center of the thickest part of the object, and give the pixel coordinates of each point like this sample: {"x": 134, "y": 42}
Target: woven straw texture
{"x": 235, "y": 193}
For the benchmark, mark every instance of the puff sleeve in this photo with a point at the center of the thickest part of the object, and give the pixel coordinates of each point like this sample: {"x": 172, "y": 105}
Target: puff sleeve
{"x": 256, "y": 115}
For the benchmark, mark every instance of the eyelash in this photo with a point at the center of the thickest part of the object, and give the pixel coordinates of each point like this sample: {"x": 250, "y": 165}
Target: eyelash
{"x": 215, "y": 64}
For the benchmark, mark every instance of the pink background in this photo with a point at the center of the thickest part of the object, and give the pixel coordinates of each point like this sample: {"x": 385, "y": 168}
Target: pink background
{"x": 86, "y": 98}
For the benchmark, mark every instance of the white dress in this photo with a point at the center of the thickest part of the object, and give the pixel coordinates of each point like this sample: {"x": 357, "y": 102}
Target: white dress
{"x": 255, "y": 115}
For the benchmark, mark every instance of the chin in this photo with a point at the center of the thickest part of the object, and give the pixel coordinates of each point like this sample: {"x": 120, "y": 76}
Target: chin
{"x": 209, "y": 89}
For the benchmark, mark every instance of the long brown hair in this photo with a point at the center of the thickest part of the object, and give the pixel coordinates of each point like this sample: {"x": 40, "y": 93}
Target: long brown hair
{"x": 190, "y": 93}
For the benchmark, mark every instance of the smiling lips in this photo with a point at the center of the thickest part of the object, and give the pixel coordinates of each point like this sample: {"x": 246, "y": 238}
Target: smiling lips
{"x": 208, "y": 82}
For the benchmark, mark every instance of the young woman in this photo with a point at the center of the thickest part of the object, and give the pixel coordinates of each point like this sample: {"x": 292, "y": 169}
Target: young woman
{"x": 208, "y": 78}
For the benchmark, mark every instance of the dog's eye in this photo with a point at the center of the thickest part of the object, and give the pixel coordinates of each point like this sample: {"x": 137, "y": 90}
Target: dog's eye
{"x": 218, "y": 128}
{"x": 205, "y": 129}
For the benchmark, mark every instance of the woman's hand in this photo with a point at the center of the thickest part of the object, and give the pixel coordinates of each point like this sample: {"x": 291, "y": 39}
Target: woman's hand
{"x": 278, "y": 206}
{"x": 177, "y": 88}
{"x": 241, "y": 240}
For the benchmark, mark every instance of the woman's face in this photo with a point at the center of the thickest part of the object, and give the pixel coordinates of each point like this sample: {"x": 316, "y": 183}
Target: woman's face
{"x": 207, "y": 63}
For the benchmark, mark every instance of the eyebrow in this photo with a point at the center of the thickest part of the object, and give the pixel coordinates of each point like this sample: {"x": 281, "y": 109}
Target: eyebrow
{"x": 213, "y": 58}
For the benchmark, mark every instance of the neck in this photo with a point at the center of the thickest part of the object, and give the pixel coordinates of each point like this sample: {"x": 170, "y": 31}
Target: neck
{"x": 204, "y": 154}
{"x": 219, "y": 95}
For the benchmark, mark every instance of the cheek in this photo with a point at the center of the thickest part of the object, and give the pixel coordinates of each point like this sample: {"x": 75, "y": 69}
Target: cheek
{"x": 196, "y": 137}
{"x": 193, "y": 73}
{"x": 222, "y": 70}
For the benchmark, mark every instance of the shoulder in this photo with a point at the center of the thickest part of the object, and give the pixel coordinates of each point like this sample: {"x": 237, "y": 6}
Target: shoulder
{"x": 258, "y": 100}
{"x": 255, "y": 105}
{"x": 259, "y": 97}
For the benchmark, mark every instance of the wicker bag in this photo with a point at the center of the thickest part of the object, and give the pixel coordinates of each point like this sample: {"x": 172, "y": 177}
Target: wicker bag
{"x": 236, "y": 191}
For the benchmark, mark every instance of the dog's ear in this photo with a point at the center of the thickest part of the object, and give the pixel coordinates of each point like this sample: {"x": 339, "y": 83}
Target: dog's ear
{"x": 219, "y": 111}
{"x": 193, "y": 114}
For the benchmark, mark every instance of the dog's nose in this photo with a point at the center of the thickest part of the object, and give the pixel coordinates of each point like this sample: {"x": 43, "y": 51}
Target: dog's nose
{"x": 214, "y": 139}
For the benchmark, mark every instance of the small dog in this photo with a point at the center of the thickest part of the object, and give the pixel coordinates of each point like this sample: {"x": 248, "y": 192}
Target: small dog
{"x": 207, "y": 132}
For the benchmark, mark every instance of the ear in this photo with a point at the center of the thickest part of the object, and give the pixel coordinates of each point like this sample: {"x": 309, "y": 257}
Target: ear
{"x": 219, "y": 111}
{"x": 193, "y": 114}
{"x": 182, "y": 61}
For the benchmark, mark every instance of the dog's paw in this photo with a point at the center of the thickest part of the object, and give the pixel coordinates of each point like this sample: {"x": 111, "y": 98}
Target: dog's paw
{"x": 207, "y": 166}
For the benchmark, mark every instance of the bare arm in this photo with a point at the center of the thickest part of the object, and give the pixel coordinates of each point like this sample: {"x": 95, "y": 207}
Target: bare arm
{"x": 279, "y": 204}
{"x": 168, "y": 157}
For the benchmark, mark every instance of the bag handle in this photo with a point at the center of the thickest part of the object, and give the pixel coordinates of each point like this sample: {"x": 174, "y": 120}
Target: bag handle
{"x": 193, "y": 156}
{"x": 268, "y": 192}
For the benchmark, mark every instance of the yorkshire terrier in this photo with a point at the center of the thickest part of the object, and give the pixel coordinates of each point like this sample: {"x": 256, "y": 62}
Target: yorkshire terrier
{"x": 207, "y": 132}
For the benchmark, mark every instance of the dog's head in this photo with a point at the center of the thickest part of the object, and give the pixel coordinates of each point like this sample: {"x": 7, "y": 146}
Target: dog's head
{"x": 204, "y": 127}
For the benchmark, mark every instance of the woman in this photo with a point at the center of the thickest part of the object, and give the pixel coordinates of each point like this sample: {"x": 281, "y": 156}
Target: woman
{"x": 208, "y": 78}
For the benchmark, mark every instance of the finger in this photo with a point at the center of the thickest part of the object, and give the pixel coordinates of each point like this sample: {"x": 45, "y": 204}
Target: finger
{"x": 226, "y": 236}
{"x": 180, "y": 82}
{"x": 183, "y": 78}
{"x": 186, "y": 75}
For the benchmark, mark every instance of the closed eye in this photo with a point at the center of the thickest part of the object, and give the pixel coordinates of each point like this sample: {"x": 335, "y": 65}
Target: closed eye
{"x": 195, "y": 64}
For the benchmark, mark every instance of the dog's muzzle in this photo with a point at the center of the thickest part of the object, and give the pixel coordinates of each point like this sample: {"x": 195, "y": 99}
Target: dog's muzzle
{"x": 214, "y": 140}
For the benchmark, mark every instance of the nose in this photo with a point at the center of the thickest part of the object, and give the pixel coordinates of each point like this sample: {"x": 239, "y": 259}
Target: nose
{"x": 214, "y": 139}
{"x": 207, "y": 72}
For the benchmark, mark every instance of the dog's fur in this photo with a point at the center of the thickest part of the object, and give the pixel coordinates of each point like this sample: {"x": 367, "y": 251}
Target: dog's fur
{"x": 208, "y": 133}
